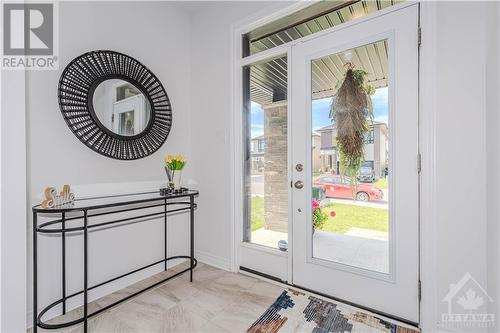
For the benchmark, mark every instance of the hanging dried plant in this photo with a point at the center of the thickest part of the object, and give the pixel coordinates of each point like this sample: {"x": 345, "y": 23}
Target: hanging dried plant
{"x": 352, "y": 113}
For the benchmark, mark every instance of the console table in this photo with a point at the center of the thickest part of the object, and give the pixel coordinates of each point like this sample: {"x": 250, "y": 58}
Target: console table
{"x": 76, "y": 219}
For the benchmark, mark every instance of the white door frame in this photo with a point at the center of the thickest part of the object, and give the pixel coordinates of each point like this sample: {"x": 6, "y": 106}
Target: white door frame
{"x": 272, "y": 261}
{"x": 427, "y": 124}
{"x": 427, "y": 137}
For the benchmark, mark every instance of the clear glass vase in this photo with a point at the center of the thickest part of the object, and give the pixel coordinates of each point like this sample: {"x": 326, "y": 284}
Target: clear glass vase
{"x": 175, "y": 183}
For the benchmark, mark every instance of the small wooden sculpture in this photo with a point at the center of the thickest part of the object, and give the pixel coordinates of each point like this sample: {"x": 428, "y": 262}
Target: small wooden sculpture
{"x": 53, "y": 200}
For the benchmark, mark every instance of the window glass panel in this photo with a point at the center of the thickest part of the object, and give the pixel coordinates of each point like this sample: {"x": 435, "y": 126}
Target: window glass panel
{"x": 266, "y": 159}
{"x": 350, "y": 215}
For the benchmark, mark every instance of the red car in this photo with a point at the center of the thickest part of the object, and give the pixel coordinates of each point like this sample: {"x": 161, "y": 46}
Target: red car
{"x": 340, "y": 187}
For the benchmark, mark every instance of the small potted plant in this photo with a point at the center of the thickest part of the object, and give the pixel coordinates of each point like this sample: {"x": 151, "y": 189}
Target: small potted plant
{"x": 173, "y": 167}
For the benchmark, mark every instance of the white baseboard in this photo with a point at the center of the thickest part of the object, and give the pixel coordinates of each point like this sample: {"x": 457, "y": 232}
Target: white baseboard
{"x": 212, "y": 260}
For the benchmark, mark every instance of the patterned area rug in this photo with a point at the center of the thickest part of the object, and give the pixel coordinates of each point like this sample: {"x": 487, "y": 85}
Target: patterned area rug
{"x": 295, "y": 311}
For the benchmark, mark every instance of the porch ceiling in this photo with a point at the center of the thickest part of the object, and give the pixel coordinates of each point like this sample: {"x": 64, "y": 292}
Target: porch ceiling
{"x": 271, "y": 77}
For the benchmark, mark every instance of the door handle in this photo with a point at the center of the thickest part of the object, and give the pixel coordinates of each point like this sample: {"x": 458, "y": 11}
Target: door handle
{"x": 299, "y": 184}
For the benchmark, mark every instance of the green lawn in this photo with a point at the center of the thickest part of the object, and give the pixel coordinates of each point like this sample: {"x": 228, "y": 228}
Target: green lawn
{"x": 257, "y": 214}
{"x": 347, "y": 216}
{"x": 382, "y": 184}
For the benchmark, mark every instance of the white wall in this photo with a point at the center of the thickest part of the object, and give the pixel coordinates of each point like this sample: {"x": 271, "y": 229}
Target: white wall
{"x": 461, "y": 144}
{"x": 465, "y": 228}
{"x": 492, "y": 155}
{"x": 211, "y": 111}
{"x": 158, "y": 35}
{"x": 13, "y": 203}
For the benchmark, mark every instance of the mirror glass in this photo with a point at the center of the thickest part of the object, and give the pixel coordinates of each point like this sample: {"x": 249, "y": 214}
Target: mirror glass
{"x": 121, "y": 107}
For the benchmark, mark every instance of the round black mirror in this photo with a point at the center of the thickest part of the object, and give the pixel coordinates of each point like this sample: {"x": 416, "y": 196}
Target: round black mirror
{"x": 115, "y": 105}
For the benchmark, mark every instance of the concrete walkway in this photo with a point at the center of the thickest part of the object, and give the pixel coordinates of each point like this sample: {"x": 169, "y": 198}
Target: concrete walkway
{"x": 359, "y": 247}
{"x": 371, "y": 254}
{"x": 257, "y": 186}
{"x": 268, "y": 238}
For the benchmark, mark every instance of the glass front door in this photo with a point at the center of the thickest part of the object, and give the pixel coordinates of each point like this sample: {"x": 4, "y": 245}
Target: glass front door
{"x": 354, "y": 112}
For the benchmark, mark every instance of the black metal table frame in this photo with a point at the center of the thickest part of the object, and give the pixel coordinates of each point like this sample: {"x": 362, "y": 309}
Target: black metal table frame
{"x": 63, "y": 230}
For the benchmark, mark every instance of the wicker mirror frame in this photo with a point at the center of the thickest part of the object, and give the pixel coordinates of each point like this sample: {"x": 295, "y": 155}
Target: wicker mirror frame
{"x": 75, "y": 93}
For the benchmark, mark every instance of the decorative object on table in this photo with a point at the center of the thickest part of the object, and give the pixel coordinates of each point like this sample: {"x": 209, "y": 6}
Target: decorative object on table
{"x": 352, "y": 113}
{"x": 283, "y": 245}
{"x": 53, "y": 200}
{"x": 319, "y": 217}
{"x": 173, "y": 168}
{"x": 114, "y": 105}
{"x": 296, "y": 311}
{"x": 164, "y": 191}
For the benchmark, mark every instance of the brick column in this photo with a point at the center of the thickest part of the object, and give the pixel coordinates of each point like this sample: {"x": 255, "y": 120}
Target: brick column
{"x": 276, "y": 167}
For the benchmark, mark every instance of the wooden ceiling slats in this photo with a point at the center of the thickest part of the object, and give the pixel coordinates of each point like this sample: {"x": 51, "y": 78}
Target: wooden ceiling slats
{"x": 376, "y": 63}
{"x": 381, "y": 48}
{"x": 366, "y": 62}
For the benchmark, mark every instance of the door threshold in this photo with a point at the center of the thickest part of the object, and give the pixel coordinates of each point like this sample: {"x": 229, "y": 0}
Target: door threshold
{"x": 262, "y": 275}
{"x": 258, "y": 274}
{"x": 362, "y": 307}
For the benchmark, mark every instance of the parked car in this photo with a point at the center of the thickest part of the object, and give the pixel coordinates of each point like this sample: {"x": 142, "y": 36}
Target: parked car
{"x": 366, "y": 174}
{"x": 340, "y": 187}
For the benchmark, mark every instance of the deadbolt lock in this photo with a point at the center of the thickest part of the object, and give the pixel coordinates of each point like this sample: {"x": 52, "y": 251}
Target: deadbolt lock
{"x": 299, "y": 167}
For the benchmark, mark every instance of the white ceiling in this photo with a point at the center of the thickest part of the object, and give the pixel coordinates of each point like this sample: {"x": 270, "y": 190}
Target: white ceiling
{"x": 194, "y": 6}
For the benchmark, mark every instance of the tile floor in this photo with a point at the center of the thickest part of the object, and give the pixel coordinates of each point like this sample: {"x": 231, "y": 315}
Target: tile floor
{"x": 216, "y": 301}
